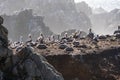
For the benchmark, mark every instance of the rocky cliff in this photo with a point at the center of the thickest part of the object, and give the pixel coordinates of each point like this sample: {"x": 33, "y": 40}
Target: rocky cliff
{"x": 97, "y": 65}
{"x": 90, "y": 60}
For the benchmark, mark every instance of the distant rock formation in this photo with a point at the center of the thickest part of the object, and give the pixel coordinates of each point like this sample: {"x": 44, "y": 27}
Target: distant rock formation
{"x": 84, "y": 7}
{"x": 65, "y": 16}
{"x": 99, "y": 10}
{"x": 25, "y": 23}
{"x": 58, "y": 15}
{"x": 22, "y": 63}
{"x": 107, "y": 22}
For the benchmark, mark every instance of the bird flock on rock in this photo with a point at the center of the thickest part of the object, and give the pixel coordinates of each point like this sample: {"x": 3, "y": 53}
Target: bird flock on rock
{"x": 64, "y": 42}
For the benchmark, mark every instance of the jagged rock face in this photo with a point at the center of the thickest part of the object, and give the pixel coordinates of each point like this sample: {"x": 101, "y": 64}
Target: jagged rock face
{"x": 26, "y": 65}
{"x": 22, "y": 63}
{"x": 101, "y": 65}
{"x": 84, "y": 7}
{"x": 25, "y": 23}
{"x": 59, "y": 15}
{"x": 63, "y": 14}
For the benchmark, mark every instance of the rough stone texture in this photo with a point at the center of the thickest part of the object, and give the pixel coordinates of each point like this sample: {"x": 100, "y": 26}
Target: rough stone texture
{"x": 100, "y": 65}
{"x": 26, "y": 65}
{"x": 26, "y": 23}
{"x": 62, "y": 12}
{"x": 89, "y": 61}
{"x": 47, "y": 71}
{"x": 33, "y": 66}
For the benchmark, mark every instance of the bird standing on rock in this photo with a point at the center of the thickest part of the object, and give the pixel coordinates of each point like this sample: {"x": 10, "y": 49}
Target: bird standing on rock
{"x": 41, "y": 38}
{"x": 117, "y": 31}
{"x": 91, "y": 34}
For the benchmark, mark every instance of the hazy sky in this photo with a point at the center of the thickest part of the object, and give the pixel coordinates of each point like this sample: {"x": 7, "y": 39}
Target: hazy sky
{"x": 106, "y": 4}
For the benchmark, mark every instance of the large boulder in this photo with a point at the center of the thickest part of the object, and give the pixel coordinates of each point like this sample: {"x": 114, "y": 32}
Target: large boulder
{"x": 32, "y": 66}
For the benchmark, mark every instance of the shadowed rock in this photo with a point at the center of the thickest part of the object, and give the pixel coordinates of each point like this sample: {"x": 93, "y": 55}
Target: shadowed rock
{"x": 99, "y": 65}
{"x": 23, "y": 64}
{"x": 69, "y": 49}
{"x": 35, "y": 66}
{"x": 83, "y": 46}
{"x": 102, "y": 37}
{"x": 117, "y": 36}
{"x": 41, "y": 46}
{"x": 62, "y": 46}
{"x": 76, "y": 44}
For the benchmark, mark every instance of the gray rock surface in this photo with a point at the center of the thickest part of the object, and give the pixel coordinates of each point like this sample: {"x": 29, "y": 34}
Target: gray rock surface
{"x": 30, "y": 66}
{"x": 23, "y": 64}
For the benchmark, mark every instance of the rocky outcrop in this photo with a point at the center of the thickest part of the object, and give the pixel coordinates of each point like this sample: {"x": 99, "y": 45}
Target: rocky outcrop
{"x": 96, "y": 65}
{"x": 22, "y": 63}
{"x": 26, "y": 65}
{"x": 58, "y": 15}
{"x": 26, "y": 23}
{"x": 84, "y": 7}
